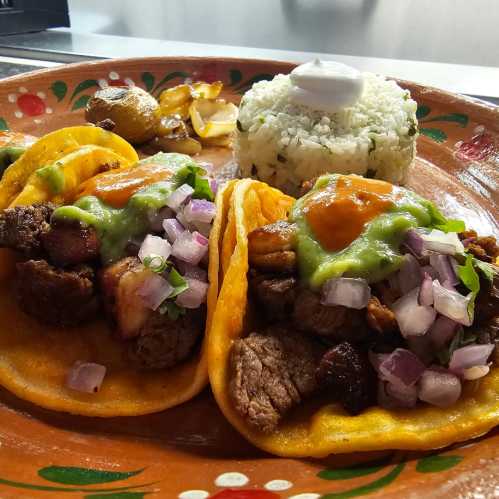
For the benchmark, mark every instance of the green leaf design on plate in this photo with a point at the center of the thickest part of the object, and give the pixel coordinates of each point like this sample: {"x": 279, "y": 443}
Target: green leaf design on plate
{"x": 170, "y": 76}
{"x": 148, "y": 80}
{"x": 259, "y": 77}
{"x": 433, "y": 464}
{"x": 346, "y": 473}
{"x": 422, "y": 111}
{"x": 84, "y": 85}
{"x": 3, "y": 124}
{"x": 80, "y": 102}
{"x": 118, "y": 495}
{"x": 52, "y": 488}
{"x": 434, "y": 133}
{"x": 59, "y": 89}
{"x": 369, "y": 487}
{"x": 460, "y": 119}
{"x": 83, "y": 476}
{"x": 235, "y": 77}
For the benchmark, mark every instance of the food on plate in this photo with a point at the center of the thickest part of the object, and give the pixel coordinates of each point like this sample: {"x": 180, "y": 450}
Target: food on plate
{"x": 354, "y": 318}
{"x": 12, "y": 145}
{"x": 325, "y": 117}
{"x": 186, "y": 117}
{"x": 59, "y": 161}
{"x": 131, "y": 246}
{"x": 134, "y": 112}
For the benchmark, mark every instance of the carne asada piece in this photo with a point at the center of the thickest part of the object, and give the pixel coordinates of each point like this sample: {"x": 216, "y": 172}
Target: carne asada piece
{"x": 70, "y": 243}
{"x": 271, "y": 247}
{"x": 21, "y": 228}
{"x": 275, "y": 294}
{"x": 380, "y": 317}
{"x": 54, "y": 296}
{"x": 335, "y": 322}
{"x": 163, "y": 343}
{"x": 346, "y": 370}
{"x": 484, "y": 248}
{"x": 120, "y": 283}
{"x": 271, "y": 372}
{"x": 158, "y": 341}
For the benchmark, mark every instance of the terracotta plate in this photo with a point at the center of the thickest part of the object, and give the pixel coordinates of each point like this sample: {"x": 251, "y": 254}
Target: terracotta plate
{"x": 190, "y": 452}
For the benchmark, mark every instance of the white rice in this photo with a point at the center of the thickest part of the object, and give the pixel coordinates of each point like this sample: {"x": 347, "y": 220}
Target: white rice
{"x": 284, "y": 144}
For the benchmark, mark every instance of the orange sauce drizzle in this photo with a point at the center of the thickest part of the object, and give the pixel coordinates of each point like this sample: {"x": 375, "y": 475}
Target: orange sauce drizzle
{"x": 115, "y": 187}
{"x": 337, "y": 214}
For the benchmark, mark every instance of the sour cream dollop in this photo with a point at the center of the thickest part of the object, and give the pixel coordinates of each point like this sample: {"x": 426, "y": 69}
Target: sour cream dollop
{"x": 326, "y": 85}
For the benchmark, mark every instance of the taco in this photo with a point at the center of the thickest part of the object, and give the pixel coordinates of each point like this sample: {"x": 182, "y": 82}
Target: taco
{"x": 105, "y": 310}
{"x": 355, "y": 318}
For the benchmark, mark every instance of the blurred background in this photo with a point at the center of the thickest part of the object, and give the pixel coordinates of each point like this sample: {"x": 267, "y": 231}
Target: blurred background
{"x": 451, "y": 31}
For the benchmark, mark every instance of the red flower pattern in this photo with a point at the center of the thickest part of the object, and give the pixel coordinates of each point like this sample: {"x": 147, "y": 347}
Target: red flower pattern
{"x": 245, "y": 494}
{"x": 31, "y": 105}
{"x": 479, "y": 148}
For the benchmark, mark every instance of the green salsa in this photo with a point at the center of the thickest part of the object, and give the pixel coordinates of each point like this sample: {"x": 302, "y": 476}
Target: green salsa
{"x": 53, "y": 177}
{"x": 374, "y": 254}
{"x": 116, "y": 227}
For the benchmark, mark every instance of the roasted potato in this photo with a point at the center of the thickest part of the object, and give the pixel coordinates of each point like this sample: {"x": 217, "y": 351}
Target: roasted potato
{"x": 135, "y": 113}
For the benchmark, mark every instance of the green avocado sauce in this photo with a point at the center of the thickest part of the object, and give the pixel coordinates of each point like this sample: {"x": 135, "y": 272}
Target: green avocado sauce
{"x": 53, "y": 177}
{"x": 375, "y": 253}
{"x": 116, "y": 227}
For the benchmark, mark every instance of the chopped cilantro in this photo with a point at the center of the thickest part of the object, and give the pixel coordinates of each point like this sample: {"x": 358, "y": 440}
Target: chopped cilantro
{"x": 156, "y": 263}
{"x": 372, "y": 146}
{"x": 412, "y": 129}
{"x": 178, "y": 282}
{"x": 193, "y": 175}
{"x": 173, "y": 310}
{"x": 438, "y": 221}
{"x": 469, "y": 277}
{"x": 261, "y": 119}
{"x": 487, "y": 270}
{"x": 461, "y": 339}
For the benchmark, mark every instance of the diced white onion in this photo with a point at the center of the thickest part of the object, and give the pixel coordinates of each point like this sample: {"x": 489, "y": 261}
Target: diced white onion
{"x": 154, "y": 246}
{"x": 410, "y": 274}
{"x": 444, "y": 269}
{"x": 85, "y": 377}
{"x": 190, "y": 247}
{"x": 405, "y": 396}
{"x": 157, "y": 219}
{"x": 346, "y": 291}
{"x": 194, "y": 296}
{"x": 401, "y": 367}
{"x": 173, "y": 228}
{"x": 440, "y": 388}
{"x": 192, "y": 271}
{"x": 447, "y": 243}
{"x": 413, "y": 319}
{"x": 452, "y": 304}
{"x": 442, "y": 331}
{"x": 475, "y": 372}
{"x": 178, "y": 196}
{"x": 199, "y": 210}
{"x": 426, "y": 291}
{"x": 469, "y": 356}
{"x": 154, "y": 290}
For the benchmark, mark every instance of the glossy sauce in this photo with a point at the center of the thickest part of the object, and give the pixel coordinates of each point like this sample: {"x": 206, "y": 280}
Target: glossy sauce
{"x": 338, "y": 213}
{"x": 115, "y": 187}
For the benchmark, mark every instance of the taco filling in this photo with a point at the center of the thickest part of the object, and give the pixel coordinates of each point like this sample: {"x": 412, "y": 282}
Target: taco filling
{"x": 367, "y": 295}
{"x": 133, "y": 245}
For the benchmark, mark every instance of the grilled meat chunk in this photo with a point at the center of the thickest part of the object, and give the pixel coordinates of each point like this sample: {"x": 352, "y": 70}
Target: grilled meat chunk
{"x": 157, "y": 342}
{"x": 163, "y": 343}
{"x": 278, "y": 261}
{"x": 21, "y": 228}
{"x": 271, "y": 372}
{"x": 380, "y": 317}
{"x": 346, "y": 371}
{"x": 336, "y": 322}
{"x": 120, "y": 283}
{"x": 54, "y": 296}
{"x": 484, "y": 248}
{"x": 271, "y": 247}
{"x": 275, "y": 294}
{"x": 70, "y": 243}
